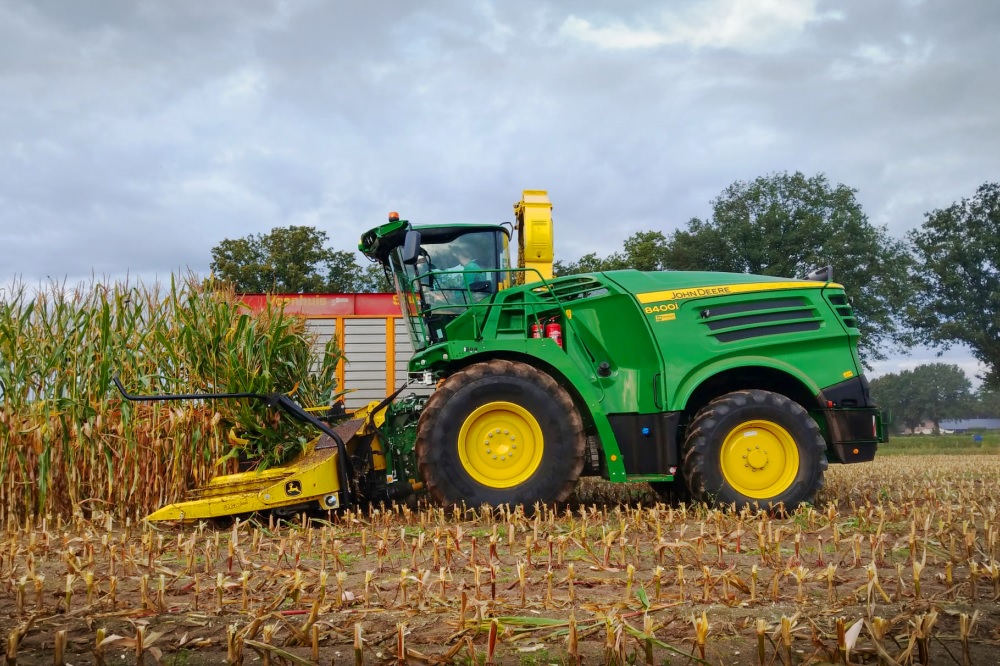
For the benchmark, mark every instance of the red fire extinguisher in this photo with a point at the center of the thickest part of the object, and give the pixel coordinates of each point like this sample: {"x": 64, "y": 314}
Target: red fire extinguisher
{"x": 536, "y": 329}
{"x": 554, "y": 331}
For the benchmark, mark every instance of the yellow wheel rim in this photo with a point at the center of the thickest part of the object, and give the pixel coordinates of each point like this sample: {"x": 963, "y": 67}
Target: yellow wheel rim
{"x": 760, "y": 459}
{"x": 500, "y": 444}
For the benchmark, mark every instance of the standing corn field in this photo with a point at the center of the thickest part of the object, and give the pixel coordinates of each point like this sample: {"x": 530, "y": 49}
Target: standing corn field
{"x": 68, "y": 443}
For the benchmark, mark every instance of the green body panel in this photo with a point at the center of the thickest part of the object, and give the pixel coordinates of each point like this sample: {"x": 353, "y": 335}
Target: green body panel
{"x": 822, "y": 356}
{"x": 636, "y": 343}
{"x": 657, "y": 365}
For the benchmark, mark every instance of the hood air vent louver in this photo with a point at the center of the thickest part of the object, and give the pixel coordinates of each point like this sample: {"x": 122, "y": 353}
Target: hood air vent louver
{"x": 571, "y": 288}
{"x": 754, "y": 319}
{"x": 844, "y": 310}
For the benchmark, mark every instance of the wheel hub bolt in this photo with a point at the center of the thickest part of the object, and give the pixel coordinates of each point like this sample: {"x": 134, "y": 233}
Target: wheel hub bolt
{"x": 757, "y": 459}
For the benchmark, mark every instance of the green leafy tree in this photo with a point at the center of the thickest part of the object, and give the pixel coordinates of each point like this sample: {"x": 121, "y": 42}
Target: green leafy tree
{"x": 958, "y": 275}
{"x": 787, "y": 224}
{"x": 943, "y": 391}
{"x": 643, "y": 251}
{"x": 291, "y": 260}
{"x": 929, "y": 392}
{"x": 344, "y": 275}
{"x": 987, "y": 404}
{"x": 588, "y": 263}
{"x": 892, "y": 393}
{"x": 646, "y": 251}
{"x": 372, "y": 280}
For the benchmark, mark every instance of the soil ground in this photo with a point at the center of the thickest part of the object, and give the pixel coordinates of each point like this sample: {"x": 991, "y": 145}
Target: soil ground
{"x": 907, "y": 546}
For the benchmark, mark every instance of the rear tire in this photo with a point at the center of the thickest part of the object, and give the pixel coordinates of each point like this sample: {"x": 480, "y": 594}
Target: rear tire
{"x": 500, "y": 433}
{"x": 754, "y": 448}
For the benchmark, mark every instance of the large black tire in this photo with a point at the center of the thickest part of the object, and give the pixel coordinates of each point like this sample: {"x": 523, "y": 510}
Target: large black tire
{"x": 754, "y": 448}
{"x": 470, "y": 429}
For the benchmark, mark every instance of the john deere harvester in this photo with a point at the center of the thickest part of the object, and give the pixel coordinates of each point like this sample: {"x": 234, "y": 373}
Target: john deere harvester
{"x": 729, "y": 388}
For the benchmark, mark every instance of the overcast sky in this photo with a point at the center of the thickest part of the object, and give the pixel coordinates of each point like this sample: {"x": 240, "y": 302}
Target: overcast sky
{"x": 137, "y": 134}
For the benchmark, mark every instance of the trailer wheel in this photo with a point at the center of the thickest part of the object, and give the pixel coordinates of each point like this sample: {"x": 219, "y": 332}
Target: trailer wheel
{"x": 754, "y": 448}
{"x": 500, "y": 433}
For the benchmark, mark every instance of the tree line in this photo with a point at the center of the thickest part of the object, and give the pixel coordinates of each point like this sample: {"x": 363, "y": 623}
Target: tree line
{"x": 938, "y": 285}
{"x": 932, "y": 393}
{"x": 293, "y": 260}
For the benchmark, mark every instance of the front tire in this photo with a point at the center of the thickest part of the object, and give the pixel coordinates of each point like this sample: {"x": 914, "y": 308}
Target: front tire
{"x": 754, "y": 448}
{"x": 500, "y": 433}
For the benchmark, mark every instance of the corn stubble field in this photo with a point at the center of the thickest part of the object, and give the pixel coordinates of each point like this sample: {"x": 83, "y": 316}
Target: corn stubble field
{"x": 899, "y": 562}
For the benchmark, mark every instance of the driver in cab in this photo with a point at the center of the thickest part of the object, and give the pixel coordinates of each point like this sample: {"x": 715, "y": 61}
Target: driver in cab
{"x": 453, "y": 286}
{"x": 470, "y": 270}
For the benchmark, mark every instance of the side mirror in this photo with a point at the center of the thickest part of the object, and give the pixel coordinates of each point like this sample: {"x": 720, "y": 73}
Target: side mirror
{"x": 824, "y": 274}
{"x": 411, "y": 247}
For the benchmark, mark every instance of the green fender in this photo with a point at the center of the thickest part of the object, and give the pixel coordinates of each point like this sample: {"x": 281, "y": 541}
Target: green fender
{"x": 693, "y": 380}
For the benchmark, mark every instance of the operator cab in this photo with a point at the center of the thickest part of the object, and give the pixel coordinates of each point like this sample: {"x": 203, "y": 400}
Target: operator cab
{"x": 440, "y": 273}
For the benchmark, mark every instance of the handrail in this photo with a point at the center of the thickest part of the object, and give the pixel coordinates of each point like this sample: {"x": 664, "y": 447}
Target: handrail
{"x": 543, "y": 284}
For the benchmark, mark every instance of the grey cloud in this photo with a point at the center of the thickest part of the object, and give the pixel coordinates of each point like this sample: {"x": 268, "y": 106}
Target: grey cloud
{"x": 135, "y": 136}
